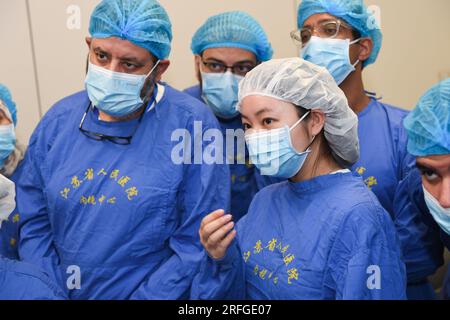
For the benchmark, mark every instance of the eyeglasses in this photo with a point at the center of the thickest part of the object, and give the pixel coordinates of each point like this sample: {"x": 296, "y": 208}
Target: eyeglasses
{"x": 102, "y": 137}
{"x": 326, "y": 29}
{"x": 240, "y": 69}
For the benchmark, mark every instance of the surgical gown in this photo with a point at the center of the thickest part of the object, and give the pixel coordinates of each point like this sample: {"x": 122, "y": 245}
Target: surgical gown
{"x": 326, "y": 238}
{"x": 422, "y": 229}
{"x": 446, "y": 286}
{"x": 242, "y": 176}
{"x": 23, "y": 281}
{"x": 420, "y": 237}
{"x": 111, "y": 221}
{"x": 384, "y": 165}
{"x": 9, "y": 231}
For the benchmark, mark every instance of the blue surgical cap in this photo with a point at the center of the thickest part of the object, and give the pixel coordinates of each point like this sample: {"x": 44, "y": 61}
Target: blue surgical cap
{"x": 5, "y": 96}
{"x": 428, "y": 125}
{"x": 145, "y": 23}
{"x": 354, "y": 12}
{"x": 234, "y": 29}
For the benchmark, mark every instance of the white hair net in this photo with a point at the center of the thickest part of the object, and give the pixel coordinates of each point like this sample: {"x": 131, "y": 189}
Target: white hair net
{"x": 304, "y": 84}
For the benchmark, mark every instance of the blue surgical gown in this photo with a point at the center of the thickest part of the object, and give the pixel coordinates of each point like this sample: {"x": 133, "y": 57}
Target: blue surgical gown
{"x": 122, "y": 218}
{"x": 9, "y": 232}
{"x": 420, "y": 237}
{"x": 446, "y": 287}
{"x": 384, "y": 165}
{"x": 23, "y": 281}
{"x": 309, "y": 240}
{"x": 242, "y": 176}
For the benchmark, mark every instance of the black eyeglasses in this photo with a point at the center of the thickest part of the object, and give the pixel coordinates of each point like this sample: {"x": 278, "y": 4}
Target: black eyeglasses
{"x": 240, "y": 69}
{"x": 102, "y": 137}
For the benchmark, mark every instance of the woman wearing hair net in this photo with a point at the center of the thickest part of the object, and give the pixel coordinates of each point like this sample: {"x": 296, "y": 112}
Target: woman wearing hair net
{"x": 11, "y": 154}
{"x": 20, "y": 280}
{"x": 320, "y": 235}
{"x": 428, "y": 127}
{"x": 345, "y": 37}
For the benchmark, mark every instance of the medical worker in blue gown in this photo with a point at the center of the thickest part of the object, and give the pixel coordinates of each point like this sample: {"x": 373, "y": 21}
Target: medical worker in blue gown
{"x": 428, "y": 128}
{"x": 319, "y": 235}
{"x": 226, "y": 47}
{"x": 21, "y": 280}
{"x": 11, "y": 155}
{"x": 344, "y": 36}
{"x": 113, "y": 191}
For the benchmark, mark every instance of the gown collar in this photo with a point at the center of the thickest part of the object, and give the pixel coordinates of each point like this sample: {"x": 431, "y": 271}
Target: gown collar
{"x": 321, "y": 182}
{"x": 373, "y": 103}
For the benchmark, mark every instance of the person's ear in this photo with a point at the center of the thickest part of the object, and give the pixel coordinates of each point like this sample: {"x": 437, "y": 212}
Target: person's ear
{"x": 161, "y": 69}
{"x": 316, "y": 122}
{"x": 88, "y": 42}
{"x": 198, "y": 61}
{"x": 4, "y": 120}
{"x": 365, "y": 49}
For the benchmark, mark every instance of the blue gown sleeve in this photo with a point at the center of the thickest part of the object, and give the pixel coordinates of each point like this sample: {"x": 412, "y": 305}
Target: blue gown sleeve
{"x": 445, "y": 239}
{"x": 419, "y": 236}
{"x": 8, "y": 238}
{"x": 22, "y": 281}
{"x": 222, "y": 279}
{"x": 365, "y": 260}
{"x": 9, "y": 232}
{"x": 205, "y": 188}
{"x": 36, "y": 238}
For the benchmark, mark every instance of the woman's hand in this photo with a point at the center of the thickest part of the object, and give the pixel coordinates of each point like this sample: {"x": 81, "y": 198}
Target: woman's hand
{"x": 215, "y": 234}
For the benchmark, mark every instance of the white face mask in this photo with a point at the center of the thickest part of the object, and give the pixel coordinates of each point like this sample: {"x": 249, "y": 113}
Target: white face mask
{"x": 115, "y": 93}
{"x": 440, "y": 214}
{"x": 332, "y": 54}
{"x": 220, "y": 91}
{"x": 7, "y": 198}
{"x": 273, "y": 152}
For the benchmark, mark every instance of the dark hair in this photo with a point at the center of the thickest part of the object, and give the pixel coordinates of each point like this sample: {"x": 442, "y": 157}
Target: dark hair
{"x": 356, "y": 34}
{"x": 324, "y": 147}
{"x": 301, "y": 111}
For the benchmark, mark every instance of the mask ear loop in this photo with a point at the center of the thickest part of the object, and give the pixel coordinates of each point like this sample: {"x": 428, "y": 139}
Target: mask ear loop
{"x": 297, "y": 123}
{"x": 148, "y": 75}
{"x": 153, "y": 69}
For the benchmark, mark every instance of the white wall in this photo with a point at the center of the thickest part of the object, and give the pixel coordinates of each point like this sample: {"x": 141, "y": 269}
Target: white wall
{"x": 16, "y": 64}
{"x": 415, "y": 53}
{"x": 416, "y": 49}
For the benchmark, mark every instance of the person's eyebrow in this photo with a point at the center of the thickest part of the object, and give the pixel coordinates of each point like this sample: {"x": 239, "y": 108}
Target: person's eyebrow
{"x": 321, "y": 21}
{"x": 262, "y": 111}
{"x": 257, "y": 113}
{"x": 245, "y": 61}
{"x": 423, "y": 167}
{"x": 99, "y": 50}
{"x": 214, "y": 60}
{"x": 132, "y": 60}
{"x": 328, "y": 20}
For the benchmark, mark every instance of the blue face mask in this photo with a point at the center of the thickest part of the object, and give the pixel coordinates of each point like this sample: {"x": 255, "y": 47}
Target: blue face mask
{"x": 220, "y": 91}
{"x": 273, "y": 154}
{"x": 7, "y": 142}
{"x": 116, "y": 94}
{"x": 440, "y": 214}
{"x": 332, "y": 54}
